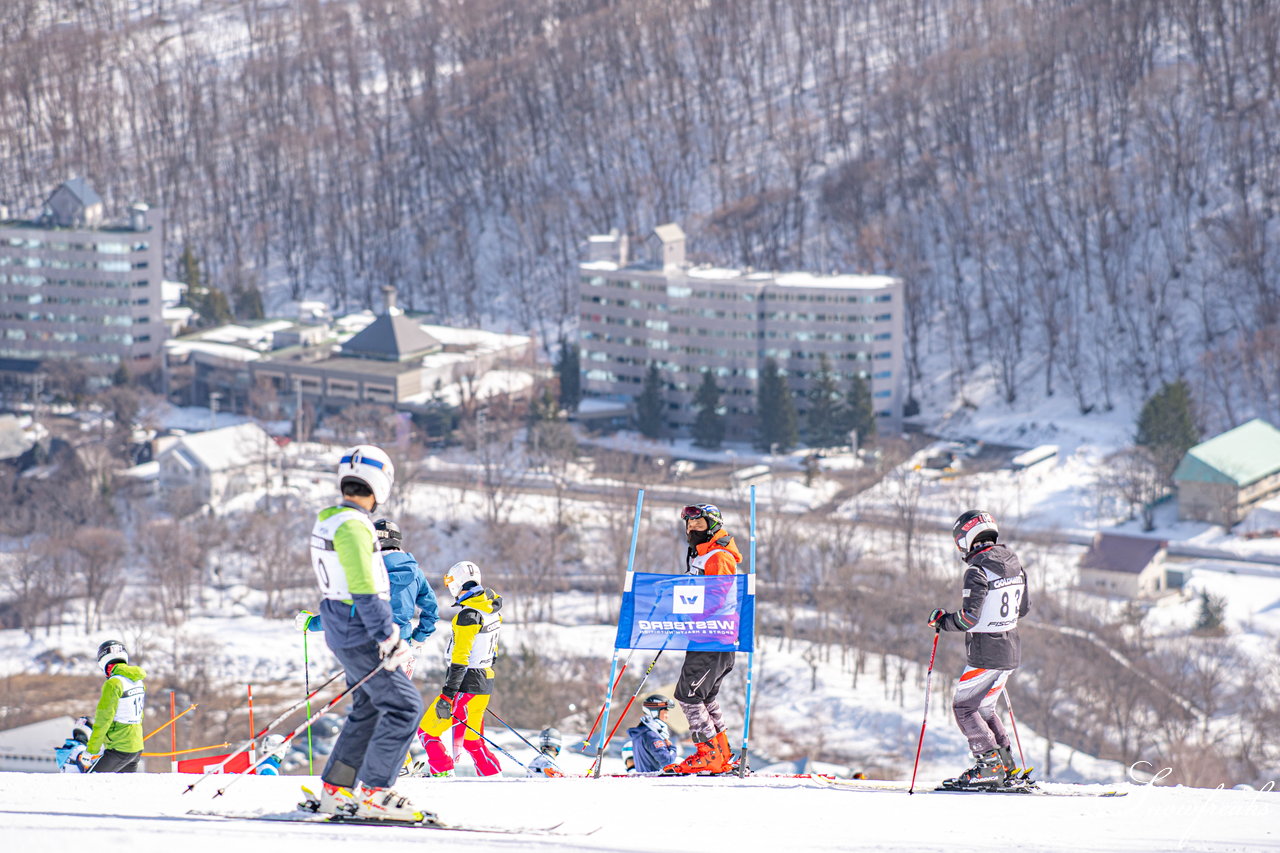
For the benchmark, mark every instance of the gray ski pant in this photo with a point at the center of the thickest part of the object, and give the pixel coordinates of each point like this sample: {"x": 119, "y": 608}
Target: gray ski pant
{"x": 974, "y": 704}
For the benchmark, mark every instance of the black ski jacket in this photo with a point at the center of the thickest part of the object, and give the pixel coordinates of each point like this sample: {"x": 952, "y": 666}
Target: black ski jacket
{"x": 994, "y": 566}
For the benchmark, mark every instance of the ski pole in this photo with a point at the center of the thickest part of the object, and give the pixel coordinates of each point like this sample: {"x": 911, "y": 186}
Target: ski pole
{"x": 1021, "y": 759}
{"x": 522, "y": 737}
{"x": 184, "y": 751}
{"x": 298, "y": 729}
{"x": 586, "y": 741}
{"x": 928, "y": 684}
{"x": 626, "y": 585}
{"x": 596, "y": 765}
{"x": 277, "y": 721}
{"x": 751, "y": 657}
{"x": 306, "y": 686}
{"x": 489, "y": 741}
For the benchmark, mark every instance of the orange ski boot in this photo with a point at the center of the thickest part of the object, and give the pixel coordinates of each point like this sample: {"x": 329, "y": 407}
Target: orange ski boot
{"x": 723, "y": 752}
{"x": 702, "y": 761}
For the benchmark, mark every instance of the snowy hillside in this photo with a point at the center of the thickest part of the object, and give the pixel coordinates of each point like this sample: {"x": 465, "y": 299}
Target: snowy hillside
{"x": 146, "y": 813}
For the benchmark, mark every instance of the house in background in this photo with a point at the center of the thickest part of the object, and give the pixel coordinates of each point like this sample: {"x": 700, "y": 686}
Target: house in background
{"x": 1220, "y": 479}
{"x": 207, "y": 467}
{"x": 1129, "y": 566}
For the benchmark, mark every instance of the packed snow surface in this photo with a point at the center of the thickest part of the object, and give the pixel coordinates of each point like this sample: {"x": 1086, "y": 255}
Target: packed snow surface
{"x": 150, "y": 812}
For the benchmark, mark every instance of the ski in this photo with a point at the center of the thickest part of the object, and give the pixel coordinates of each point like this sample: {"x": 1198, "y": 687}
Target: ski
{"x": 1059, "y": 789}
{"x": 309, "y": 817}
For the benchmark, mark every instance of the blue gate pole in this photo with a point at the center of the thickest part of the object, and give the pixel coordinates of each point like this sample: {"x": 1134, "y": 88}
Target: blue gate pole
{"x": 751, "y": 657}
{"x": 626, "y": 585}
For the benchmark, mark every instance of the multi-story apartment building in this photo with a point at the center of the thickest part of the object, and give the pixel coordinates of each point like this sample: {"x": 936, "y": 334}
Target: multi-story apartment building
{"x": 73, "y": 286}
{"x": 688, "y": 319}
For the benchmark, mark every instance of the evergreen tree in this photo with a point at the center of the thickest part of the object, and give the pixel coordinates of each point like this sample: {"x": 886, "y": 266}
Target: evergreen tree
{"x": 649, "y": 414}
{"x": 858, "y": 412}
{"x": 1212, "y": 610}
{"x": 824, "y": 405}
{"x": 569, "y": 370}
{"x": 189, "y": 268}
{"x": 248, "y": 302}
{"x": 208, "y": 302}
{"x": 708, "y": 426}
{"x": 1166, "y": 427}
{"x": 776, "y": 410}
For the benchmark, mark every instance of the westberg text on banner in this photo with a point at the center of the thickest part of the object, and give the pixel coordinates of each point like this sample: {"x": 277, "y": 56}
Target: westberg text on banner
{"x": 712, "y": 613}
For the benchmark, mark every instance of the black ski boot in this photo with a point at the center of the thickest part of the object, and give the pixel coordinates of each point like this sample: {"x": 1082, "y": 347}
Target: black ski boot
{"x": 987, "y": 772}
{"x": 1011, "y": 769}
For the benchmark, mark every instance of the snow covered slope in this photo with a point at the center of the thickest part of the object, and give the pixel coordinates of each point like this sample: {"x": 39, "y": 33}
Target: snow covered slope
{"x": 148, "y": 812}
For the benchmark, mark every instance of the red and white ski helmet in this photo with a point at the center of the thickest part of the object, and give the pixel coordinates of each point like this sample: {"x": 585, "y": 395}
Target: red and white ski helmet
{"x": 972, "y": 527}
{"x": 459, "y": 574}
{"x": 369, "y": 465}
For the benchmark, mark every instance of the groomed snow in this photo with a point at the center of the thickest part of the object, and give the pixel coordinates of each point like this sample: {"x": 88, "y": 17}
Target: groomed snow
{"x": 148, "y": 812}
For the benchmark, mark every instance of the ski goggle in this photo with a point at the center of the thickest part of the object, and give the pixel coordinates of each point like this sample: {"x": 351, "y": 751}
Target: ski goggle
{"x": 691, "y": 512}
{"x": 360, "y": 460}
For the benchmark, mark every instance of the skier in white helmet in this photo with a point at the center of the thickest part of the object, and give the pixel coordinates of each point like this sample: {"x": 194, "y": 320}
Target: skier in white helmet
{"x": 473, "y": 647}
{"x": 363, "y": 636}
{"x": 544, "y": 764}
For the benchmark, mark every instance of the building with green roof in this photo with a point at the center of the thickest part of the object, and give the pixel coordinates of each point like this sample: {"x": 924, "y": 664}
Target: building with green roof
{"x": 1220, "y": 479}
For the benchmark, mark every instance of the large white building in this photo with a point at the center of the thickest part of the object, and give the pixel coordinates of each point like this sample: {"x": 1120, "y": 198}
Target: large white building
{"x": 686, "y": 319}
{"x": 75, "y": 286}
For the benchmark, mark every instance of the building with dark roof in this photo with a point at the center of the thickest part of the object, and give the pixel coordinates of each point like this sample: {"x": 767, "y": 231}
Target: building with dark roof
{"x": 1129, "y": 566}
{"x": 389, "y": 359}
{"x": 1219, "y": 480}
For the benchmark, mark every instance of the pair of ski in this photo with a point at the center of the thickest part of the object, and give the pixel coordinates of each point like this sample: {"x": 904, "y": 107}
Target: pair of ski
{"x": 1018, "y": 785}
{"x": 307, "y": 813}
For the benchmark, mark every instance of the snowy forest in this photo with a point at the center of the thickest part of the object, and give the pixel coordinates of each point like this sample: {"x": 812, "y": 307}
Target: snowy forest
{"x": 1083, "y": 194}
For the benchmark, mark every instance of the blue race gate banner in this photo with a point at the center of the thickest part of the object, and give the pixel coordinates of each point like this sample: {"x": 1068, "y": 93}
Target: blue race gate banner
{"x": 714, "y": 613}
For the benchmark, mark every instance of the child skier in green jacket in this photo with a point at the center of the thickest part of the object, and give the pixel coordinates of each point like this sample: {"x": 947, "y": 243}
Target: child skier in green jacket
{"x": 117, "y": 724}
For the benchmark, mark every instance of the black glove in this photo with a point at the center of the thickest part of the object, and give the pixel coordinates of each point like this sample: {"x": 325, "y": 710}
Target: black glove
{"x": 444, "y": 707}
{"x": 936, "y": 617}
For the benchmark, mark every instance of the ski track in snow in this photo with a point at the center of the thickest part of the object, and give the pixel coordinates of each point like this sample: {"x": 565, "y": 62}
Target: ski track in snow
{"x": 147, "y": 812}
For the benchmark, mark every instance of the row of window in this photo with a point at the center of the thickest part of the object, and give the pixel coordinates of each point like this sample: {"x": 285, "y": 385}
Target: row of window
{"x": 748, "y": 373}
{"x": 607, "y": 376}
{"x": 106, "y": 247}
{"x": 40, "y": 354}
{"x": 81, "y": 319}
{"x": 46, "y": 281}
{"x": 783, "y": 294}
{"x": 66, "y": 337}
{"x": 64, "y": 264}
{"x": 41, "y": 298}
{"x": 594, "y": 353}
{"x": 714, "y": 314}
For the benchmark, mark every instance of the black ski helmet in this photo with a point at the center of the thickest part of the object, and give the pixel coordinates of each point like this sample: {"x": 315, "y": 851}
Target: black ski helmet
{"x": 715, "y": 520}
{"x": 972, "y": 527}
{"x": 82, "y": 730}
{"x": 549, "y": 738}
{"x": 654, "y": 703}
{"x": 112, "y": 651}
{"x": 388, "y": 533}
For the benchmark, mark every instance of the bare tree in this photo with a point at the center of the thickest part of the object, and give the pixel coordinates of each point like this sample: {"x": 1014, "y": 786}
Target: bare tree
{"x": 100, "y": 553}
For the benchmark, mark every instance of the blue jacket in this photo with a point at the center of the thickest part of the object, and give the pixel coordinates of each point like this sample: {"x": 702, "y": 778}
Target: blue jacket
{"x": 651, "y": 745}
{"x": 410, "y": 592}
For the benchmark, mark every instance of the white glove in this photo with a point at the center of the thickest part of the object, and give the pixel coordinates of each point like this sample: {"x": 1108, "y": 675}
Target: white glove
{"x": 302, "y": 619}
{"x": 395, "y": 653}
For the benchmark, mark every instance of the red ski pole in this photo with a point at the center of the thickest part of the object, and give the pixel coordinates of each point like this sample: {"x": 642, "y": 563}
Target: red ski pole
{"x": 1021, "y": 759}
{"x": 928, "y": 683}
